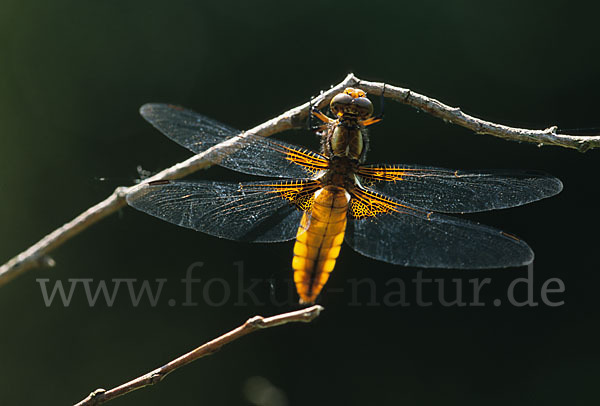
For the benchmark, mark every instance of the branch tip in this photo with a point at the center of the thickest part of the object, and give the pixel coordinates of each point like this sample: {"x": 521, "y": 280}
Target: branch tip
{"x": 313, "y": 312}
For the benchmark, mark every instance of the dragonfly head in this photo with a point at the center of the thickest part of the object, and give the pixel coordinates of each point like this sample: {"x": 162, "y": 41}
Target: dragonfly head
{"x": 352, "y": 103}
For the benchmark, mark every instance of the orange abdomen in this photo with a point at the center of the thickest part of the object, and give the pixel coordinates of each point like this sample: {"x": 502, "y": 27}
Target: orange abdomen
{"x": 318, "y": 241}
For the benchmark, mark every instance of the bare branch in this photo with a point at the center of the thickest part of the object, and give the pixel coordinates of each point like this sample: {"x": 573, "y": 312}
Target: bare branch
{"x": 37, "y": 255}
{"x": 100, "y": 396}
{"x": 454, "y": 115}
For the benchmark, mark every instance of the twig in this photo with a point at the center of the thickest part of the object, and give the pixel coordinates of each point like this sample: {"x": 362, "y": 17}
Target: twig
{"x": 100, "y": 396}
{"x": 454, "y": 115}
{"x": 37, "y": 254}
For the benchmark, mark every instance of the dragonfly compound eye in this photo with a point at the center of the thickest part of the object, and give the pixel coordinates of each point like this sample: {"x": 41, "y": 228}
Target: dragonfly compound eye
{"x": 339, "y": 103}
{"x": 345, "y": 104}
{"x": 364, "y": 107}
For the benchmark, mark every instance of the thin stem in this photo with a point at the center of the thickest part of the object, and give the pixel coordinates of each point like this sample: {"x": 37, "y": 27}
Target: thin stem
{"x": 100, "y": 396}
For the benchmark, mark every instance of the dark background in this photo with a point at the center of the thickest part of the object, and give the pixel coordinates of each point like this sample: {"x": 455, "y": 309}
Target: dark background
{"x": 72, "y": 77}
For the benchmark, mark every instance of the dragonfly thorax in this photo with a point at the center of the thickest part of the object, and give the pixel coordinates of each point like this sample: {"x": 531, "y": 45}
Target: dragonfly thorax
{"x": 346, "y": 140}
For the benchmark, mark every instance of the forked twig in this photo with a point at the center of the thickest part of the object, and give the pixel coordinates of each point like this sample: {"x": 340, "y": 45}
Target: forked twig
{"x": 100, "y": 396}
{"x": 37, "y": 254}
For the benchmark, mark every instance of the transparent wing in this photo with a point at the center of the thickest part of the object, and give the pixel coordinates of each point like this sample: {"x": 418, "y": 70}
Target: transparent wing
{"x": 253, "y": 211}
{"x": 382, "y": 228}
{"x": 257, "y": 155}
{"x": 453, "y": 191}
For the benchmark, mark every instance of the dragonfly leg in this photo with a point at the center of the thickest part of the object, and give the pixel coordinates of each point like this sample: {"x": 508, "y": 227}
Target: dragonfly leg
{"x": 379, "y": 117}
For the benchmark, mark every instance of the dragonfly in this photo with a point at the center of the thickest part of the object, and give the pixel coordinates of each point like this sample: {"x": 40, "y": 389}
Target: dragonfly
{"x": 393, "y": 213}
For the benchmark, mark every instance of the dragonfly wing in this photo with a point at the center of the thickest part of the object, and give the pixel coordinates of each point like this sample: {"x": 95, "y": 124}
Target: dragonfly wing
{"x": 255, "y": 155}
{"x": 186, "y": 127}
{"x": 252, "y": 211}
{"x": 382, "y": 228}
{"x": 452, "y": 191}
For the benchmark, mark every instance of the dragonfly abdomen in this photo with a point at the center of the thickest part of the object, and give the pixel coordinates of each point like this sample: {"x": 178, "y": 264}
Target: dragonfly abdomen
{"x": 318, "y": 241}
